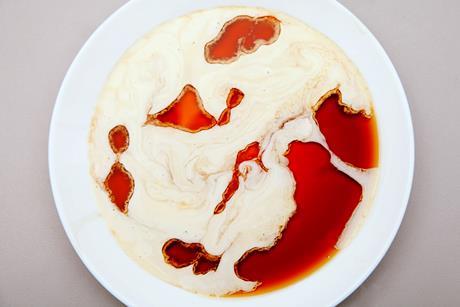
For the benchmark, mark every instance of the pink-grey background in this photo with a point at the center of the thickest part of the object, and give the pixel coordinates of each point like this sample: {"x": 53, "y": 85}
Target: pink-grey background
{"x": 38, "y": 41}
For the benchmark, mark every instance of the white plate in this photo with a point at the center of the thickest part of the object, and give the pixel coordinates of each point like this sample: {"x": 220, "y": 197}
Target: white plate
{"x": 71, "y": 184}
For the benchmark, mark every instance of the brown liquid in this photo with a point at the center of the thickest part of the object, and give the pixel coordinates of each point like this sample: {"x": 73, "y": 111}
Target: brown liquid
{"x": 180, "y": 254}
{"x": 234, "y": 98}
{"x": 351, "y": 135}
{"x": 224, "y": 117}
{"x": 119, "y": 139}
{"x": 119, "y": 184}
{"x": 326, "y": 199}
{"x": 205, "y": 264}
{"x": 251, "y": 152}
{"x": 187, "y": 112}
{"x": 242, "y": 34}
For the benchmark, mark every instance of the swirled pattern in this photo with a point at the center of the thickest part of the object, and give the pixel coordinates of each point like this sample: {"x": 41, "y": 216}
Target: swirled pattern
{"x": 180, "y": 176}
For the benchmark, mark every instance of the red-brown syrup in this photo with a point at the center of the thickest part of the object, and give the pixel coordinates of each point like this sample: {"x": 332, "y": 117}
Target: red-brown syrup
{"x": 242, "y": 34}
{"x": 250, "y": 152}
{"x": 187, "y": 112}
{"x": 234, "y": 98}
{"x": 119, "y": 184}
{"x": 351, "y": 135}
{"x": 325, "y": 196}
{"x": 326, "y": 199}
{"x": 180, "y": 254}
{"x": 119, "y": 139}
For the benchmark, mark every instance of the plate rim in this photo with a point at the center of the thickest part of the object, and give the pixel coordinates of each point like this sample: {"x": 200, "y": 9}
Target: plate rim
{"x": 57, "y": 198}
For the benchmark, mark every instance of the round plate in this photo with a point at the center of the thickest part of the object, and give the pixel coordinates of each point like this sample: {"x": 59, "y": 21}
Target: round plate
{"x": 71, "y": 183}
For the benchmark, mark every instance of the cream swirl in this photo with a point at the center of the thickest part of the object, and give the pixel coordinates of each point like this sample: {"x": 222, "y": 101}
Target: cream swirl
{"x": 179, "y": 176}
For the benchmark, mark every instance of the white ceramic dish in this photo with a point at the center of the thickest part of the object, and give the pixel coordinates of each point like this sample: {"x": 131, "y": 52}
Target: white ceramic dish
{"x": 71, "y": 183}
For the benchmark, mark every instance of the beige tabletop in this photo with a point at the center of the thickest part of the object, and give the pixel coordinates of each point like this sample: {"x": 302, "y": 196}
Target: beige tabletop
{"x": 39, "y": 39}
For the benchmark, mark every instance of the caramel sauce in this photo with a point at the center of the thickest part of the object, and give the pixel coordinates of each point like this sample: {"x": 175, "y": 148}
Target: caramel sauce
{"x": 187, "y": 112}
{"x": 234, "y": 98}
{"x": 205, "y": 264}
{"x": 251, "y": 152}
{"x": 180, "y": 254}
{"x": 119, "y": 184}
{"x": 242, "y": 34}
{"x": 119, "y": 139}
{"x": 351, "y": 135}
{"x": 224, "y": 117}
{"x": 326, "y": 199}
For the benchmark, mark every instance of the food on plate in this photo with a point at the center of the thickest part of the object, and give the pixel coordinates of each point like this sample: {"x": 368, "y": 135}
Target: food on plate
{"x": 234, "y": 150}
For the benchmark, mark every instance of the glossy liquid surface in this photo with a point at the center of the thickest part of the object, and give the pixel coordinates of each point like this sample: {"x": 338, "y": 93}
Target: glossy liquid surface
{"x": 242, "y": 34}
{"x": 234, "y": 98}
{"x": 180, "y": 254}
{"x": 326, "y": 199}
{"x": 187, "y": 112}
{"x": 119, "y": 184}
{"x": 251, "y": 152}
{"x": 119, "y": 139}
{"x": 352, "y": 137}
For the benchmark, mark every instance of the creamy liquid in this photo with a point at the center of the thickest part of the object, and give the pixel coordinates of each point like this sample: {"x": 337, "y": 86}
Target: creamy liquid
{"x": 181, "y": 176}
